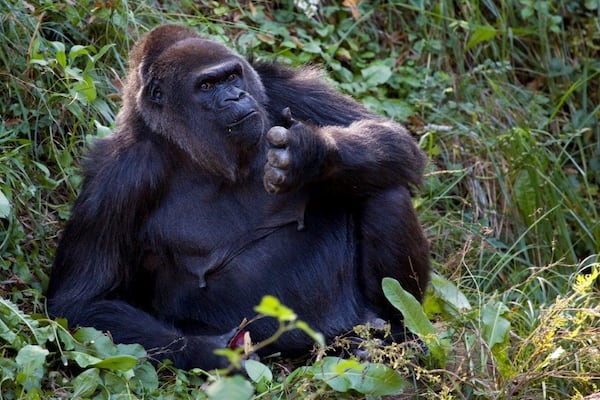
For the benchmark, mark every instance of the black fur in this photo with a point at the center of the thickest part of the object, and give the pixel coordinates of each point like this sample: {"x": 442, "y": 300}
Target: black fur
{"x": 210, "y": 195}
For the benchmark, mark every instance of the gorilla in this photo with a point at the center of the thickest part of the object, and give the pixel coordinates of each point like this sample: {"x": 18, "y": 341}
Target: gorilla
{"x": 226, "y": 180}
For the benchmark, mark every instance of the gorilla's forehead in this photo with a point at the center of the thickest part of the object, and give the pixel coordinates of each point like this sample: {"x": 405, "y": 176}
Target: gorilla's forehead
{"x": 193, "y": 53}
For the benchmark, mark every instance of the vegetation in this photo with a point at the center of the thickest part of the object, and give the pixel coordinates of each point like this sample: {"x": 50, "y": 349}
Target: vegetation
{"x": 502, "y": 94}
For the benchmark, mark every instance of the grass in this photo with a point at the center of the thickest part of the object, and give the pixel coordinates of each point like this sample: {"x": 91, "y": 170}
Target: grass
{"x": 503, "y": 95}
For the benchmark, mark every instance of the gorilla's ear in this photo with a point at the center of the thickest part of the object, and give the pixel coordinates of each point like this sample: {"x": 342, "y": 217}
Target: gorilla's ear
{"x": 154, "y": 92}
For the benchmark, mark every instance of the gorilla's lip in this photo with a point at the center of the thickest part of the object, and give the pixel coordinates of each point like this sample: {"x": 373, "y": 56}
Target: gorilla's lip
{"x": 242, "y": 119}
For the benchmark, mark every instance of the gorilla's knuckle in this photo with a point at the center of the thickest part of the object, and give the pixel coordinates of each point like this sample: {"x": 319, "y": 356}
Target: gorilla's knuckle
{"x": 279, "y": 158}
{"x": 278, "y": 136}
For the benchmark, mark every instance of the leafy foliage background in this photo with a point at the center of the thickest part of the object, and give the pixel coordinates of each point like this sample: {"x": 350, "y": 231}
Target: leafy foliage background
{"x": 504, "y": 97}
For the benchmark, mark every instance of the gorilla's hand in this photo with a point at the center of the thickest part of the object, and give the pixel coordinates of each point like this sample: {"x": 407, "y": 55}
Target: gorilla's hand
{"x": 295, "y": 155}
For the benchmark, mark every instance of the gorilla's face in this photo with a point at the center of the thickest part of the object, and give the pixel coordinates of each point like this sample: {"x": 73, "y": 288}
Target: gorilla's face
{"x": 207, "y": 91}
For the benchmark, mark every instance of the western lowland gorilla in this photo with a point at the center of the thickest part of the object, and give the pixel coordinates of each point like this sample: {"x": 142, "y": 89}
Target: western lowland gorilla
{"x": 224, "y": 182}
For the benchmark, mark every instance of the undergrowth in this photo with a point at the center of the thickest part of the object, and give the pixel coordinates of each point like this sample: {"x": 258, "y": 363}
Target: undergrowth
{"x": 502, "y": 95}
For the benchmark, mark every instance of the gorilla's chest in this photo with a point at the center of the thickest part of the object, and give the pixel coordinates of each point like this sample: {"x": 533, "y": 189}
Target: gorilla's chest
{"x": 202, "y": 227}
{"x": 228, "y": 248}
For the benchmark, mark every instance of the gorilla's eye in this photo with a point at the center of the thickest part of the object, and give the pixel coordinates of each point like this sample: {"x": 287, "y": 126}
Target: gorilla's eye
{"x": 232, "y": 77}
{"x": 205, "y": 86}
{"x": 155, "y": 92}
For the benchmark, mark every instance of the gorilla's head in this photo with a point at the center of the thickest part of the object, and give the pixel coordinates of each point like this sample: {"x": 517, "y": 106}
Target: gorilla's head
{"x": 200, "y": 95}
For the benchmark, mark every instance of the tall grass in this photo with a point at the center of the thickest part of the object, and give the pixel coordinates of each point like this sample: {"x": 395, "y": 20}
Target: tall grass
{"x": 503, "y": 95}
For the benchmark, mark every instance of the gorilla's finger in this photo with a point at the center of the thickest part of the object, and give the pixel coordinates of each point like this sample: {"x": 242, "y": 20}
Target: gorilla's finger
{"x": 286, "y": 113}
{"x": 279, "y": 158}
{"x": 278, "y": 136}
{"x": 273, "y": 178}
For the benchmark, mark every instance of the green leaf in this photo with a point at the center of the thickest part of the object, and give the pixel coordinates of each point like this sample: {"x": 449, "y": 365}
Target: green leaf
{"x": 115, "y": 363}
{"x": 454, "y": 300}
{"x": 102, "y": 51}
{"x": 90, "y": 338}
{"x": 271, "y": 307}
{"x": 61, "y": 57}
{"x": 135, "y": 350}
{"x": 84, "y": 360}
{"x": 377, "y": 73}
{"x": 230, "y": 388}
{"x": 7, "y": 334}
{"x": 4, "y": 206}
{"x": 147, "y": 376}
{"x": 495, "y": 326}
{"x": 86, "y": 383}
{"x": 15, "y": 318}
{"x": 412, "y": 311}
{"x": 258, "y": 371}
{"x": 376, "y": 380}
{"x": 31, "y": 360}
{"x": 368, "y": 378}
{"x": 591, "y": 5}
{"x": 415, "y": 318}
{"x": 482, "y": 33}
{"x": 316, "y": 336}
{"x": 327, "y": 371}
{"x": 76, "y": 51}
{"x": 118, "y": 363}
{"x": 86, "y": 89}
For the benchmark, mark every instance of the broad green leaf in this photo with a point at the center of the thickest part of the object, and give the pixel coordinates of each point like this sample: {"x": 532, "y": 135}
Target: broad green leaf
{"x": 482, "y": 33}
{"x": 118, "y": 363}
{"x": 64, "y": 336}
{"x": 4, "y": 206}
{"x": 271, "y": 307}
{"x": 61, "y": 57}
{"x": 397, "y": 109}
{"x": 147, "y": 376}
{"x": 16, "y": 319}
{"x": 415, "y": 318}
{"x": 449, "y": 294}
{"x": 96, "y": 340}
{"x": 258, "y": 371}
{"x": 377, "y": 73}
{"x": 76, "y": 51}
{"x": 230, "y": 388}
{"x": 591, "y": 5}
{"x": 135, "y": 350}
{"x": 376, "y": 380}
{"x": 84, "y": 360}
{"x": 326, "y": 370}
{"x": 412, "y": 311}
{"x": 85, "y": 384}
{"x": 7, "y": 334}
{"x": 31, "y": 360}
{"x": 367, "y": 378}
{"x": 495, "y": 326}
{"x": 8, "y": 369}
{"x": 86, "y": 88}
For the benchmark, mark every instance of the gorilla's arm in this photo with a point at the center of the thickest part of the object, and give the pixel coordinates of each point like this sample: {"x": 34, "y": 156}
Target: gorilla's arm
{"x": 101, "y": 249}
{"x": 308, "y": 96}
{"x": 330, "y": 137}
{"x": 367, "y": 155}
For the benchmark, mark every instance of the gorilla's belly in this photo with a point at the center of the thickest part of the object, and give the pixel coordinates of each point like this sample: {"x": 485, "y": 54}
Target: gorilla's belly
{"x": 217, "y": 293}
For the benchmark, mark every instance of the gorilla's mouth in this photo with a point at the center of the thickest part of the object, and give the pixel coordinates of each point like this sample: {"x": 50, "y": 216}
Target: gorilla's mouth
{"x": 243, "y": 118}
